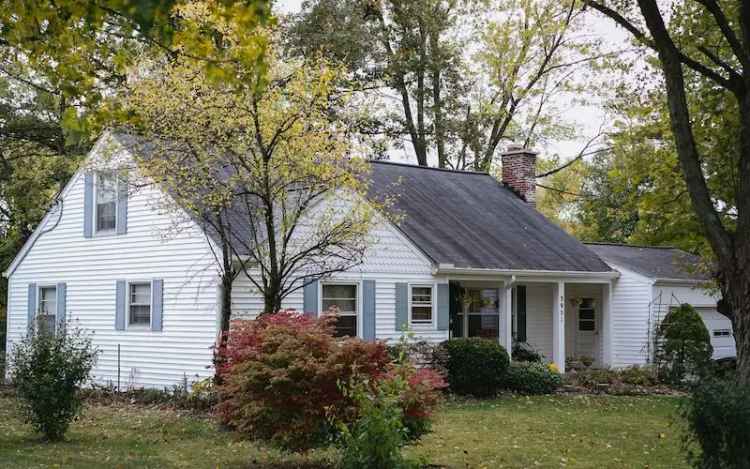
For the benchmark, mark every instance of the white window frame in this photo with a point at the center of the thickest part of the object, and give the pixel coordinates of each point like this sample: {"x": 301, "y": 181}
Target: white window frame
{"x": 96, "y": 196}
{"x": 357, "y": 299}
{"x": 128, "y": 324}
{"x": 418, "y": 322}
{"x": 39, "y": 289}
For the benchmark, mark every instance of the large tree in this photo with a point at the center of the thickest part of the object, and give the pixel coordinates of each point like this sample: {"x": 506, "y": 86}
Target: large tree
{"x": 710, "y": 41}
{"x": 455, "y": 78}
{"x": 259, "y": 164}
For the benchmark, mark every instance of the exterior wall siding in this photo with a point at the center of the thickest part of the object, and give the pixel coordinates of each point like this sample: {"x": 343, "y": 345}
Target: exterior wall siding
{"x": 390, "y": 259}
{"x": 631, "y": 297}
{"x": 539, "y": 318}
{"x": 90, "y": 268}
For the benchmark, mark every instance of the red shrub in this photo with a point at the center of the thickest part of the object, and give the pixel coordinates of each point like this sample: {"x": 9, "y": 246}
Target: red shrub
{"x": 420, "y": 397}
{"x": 282, "y": 377}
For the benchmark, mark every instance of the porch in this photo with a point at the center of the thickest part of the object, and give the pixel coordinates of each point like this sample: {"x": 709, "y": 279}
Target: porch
{"x": 559, "y": 319}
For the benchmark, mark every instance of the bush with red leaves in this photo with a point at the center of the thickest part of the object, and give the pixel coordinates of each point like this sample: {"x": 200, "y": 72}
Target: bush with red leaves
{"x": 284, "y": 376}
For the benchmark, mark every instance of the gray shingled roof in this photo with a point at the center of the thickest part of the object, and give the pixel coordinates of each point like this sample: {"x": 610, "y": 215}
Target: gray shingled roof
{"x": 653, "y": 262}
{"x": 472, "y": 221}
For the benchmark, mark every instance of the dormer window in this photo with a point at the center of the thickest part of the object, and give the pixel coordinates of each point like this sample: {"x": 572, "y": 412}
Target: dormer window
{"x": 106, "y": 202}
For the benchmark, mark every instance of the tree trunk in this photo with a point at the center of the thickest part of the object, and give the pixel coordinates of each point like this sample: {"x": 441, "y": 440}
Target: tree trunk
{"x": 736, "y": 290}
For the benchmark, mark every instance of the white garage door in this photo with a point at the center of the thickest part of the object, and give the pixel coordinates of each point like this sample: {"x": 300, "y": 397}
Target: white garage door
{"x": 720, "y": 329}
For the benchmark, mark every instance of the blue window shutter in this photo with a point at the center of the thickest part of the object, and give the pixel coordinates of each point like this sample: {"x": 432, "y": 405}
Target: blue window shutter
{"x": 122, "y": 205}
{"x": 368, "y": 309}
{"x": 120, "y": 305}
{"x": 88, "y": 204}
{"x": 31, "y": 313}
{"x": 402, "y": 306}
{"x": 61, "y": 310}
{"x": 157, "y": 304}
{"x": 443, "y": 306}
{"x": 521, "y": 313}
{"x": 310, "y": 298}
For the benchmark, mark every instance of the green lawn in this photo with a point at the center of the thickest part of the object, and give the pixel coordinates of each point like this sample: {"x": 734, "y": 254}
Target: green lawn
{"x": 508, "y": 432}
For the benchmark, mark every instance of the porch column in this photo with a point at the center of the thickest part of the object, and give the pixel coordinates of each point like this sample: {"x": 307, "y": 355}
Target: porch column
{"x": 606, "y": 327}
{"x": 507, "y": 318}
{"x": 558, "y": 325}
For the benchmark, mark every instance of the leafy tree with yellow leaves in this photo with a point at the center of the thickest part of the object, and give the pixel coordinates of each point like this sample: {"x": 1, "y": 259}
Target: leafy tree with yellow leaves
{"x": 260, "y": 164}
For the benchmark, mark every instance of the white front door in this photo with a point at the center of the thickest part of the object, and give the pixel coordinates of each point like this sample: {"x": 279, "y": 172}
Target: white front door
{"x": 586, "y": 328}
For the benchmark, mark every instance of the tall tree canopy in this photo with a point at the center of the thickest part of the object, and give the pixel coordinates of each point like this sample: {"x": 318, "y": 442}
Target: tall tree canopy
{"x": 708, "y": 43}
{"x": 455, "y": 78}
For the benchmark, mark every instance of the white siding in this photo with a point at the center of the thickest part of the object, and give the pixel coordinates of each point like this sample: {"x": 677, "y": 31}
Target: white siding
{"x": 539, "y": 318}
{"x": 90, "y": 267}
{"x": 389, "y": 260}
{"x": 631, "y": 296}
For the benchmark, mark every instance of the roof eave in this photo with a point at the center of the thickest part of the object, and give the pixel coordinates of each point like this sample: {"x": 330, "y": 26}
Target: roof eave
{"x": 452, "y": 270}
{"x": 674, "y": 281}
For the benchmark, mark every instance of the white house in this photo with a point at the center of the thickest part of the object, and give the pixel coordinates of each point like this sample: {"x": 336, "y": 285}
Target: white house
{"x": 653, "y": 280}
{"x": 472, "y": 257}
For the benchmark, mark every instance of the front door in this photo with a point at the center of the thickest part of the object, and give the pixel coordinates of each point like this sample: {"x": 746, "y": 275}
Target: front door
{"x": 586, "y": 328}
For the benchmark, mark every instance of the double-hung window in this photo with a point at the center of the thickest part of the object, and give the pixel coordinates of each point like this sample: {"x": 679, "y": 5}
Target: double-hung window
{"x": 587, "y": 315}
{"x": 47, "y": 309}
{"x": 105, "y": 202}
{"x": 421, "y": 304}
{"x": 342, "y": 298}
{"x": 139, "y": 304}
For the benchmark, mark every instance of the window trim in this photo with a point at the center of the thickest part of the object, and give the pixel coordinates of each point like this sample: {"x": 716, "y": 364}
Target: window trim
{"x": 39, "y": 288}
{"x": 95, "y": 216}
{"x": 422, "y": 323}
{"x": 358, "y": 299}
{"x": 144, "y": 327}
{"x": 722, "y": 332}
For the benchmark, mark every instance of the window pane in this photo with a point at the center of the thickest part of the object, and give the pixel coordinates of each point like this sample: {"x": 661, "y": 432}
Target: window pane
{"x": 586, "y": 314}
{"x": 140, "y": 314}
{"x": 140, "y": 293}
{"x": 344, "y": 306}
{"x": 587, "y": 303}
{"x": 106, "y": 196}
{"x": 486, "y": 326}
{"x": 48, "y": 300}
{"x": 339, "y": 291}
{"x": 421, "y": 313}
{"x": 421, "y": 294}
{"x": 586, "y": 325}
{"x": 105, "y": 216}
{"x": 346, "y": 326}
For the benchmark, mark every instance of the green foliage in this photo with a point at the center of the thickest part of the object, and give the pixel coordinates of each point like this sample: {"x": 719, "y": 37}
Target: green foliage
{"x": 455, "y": 105}
{"x": 717, "y": 414}
{"x": 475, "y": 366}
{"x": 683, "y": 344}
{"x": 375, "y": 439}
{"x": 47, "y": 370}
{"x": 524, "y": 353}
{"x": 531, "y": 378}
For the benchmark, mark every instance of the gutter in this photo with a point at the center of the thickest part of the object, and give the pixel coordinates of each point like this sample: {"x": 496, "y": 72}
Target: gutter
{"x": 679, "y": 281}
{"x": 451, "y": 269}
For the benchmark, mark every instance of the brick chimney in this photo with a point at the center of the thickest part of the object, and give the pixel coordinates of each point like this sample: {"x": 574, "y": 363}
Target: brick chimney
{"x": 519, "y": 172}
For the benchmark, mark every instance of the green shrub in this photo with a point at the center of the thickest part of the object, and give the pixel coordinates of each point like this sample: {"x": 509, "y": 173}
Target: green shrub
{"x": 531, "y": 378}
{"x": 718, "y": 415}
{"x": 47, "y": 370}
{"x": 475, "y": 366}
{"x": 523, "y": 352}
{"x": 683, "y": 346}
{"x": 375, "y": 439}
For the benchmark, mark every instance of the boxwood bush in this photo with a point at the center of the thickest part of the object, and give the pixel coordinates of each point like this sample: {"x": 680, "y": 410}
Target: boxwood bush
{"x": 531, "y": 378}
{"x": 718, "y": 414}
{"x": 475, "y": 366}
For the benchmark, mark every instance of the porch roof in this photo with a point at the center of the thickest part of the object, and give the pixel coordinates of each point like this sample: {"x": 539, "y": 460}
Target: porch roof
{"x": 470, "y": 220}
